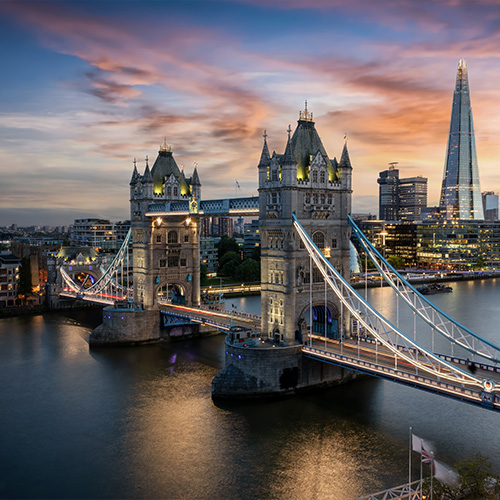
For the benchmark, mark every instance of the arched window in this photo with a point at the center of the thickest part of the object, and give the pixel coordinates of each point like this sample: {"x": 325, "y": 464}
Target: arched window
{"x": 319, "y": 239}
{"x": 322, "y": 176}
{"x": 176, "y": 191}
{"x": 315, "y": 176}
{"x": 172, "y": 236}
{"x": 169, "y": 191}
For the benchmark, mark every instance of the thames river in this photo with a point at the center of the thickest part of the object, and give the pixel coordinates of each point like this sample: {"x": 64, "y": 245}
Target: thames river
{"x": 139, "y": 422}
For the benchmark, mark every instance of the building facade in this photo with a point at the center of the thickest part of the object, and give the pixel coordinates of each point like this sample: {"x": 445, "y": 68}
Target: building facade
{"x": 304, "y": 181}
{"x": 401, "y": 199}
{"x": 9, "y": 279}
{"x": 460, "y": 191}
{"x": 490, "y": 205}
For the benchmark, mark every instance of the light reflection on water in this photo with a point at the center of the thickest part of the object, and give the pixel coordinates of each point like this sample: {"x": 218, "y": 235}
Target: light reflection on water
{"x": 139, "y": 422}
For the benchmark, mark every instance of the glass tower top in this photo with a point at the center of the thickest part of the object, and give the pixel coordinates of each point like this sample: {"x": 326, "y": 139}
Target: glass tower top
{"x": 461, "y": 192}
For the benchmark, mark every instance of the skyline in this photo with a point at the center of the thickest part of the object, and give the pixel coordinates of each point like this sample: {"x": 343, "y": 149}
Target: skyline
{"x": 89, "y": 86}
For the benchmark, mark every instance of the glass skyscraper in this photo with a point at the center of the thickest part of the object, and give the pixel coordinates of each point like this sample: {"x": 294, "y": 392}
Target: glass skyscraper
{"x": 461, "y": 192}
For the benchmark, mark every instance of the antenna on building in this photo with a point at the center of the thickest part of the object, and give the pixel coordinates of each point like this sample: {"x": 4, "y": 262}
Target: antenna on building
{"x": 392, "y": 164}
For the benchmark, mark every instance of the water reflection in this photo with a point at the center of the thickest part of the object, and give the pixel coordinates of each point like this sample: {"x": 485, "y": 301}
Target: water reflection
{"x": 139, "y": 422}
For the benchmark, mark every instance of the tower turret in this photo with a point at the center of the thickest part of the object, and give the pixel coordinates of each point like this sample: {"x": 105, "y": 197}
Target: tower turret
{"x": 147, "y": 181}
{"x": 289, "y": 163}
{"x": 265, "y": 161}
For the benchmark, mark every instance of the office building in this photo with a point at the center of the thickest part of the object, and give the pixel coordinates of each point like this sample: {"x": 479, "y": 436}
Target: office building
{"x": 460, "y": 191}
{"x": 490, "y": 205}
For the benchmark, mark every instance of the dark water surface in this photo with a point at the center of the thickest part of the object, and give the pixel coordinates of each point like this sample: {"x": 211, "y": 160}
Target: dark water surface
{"x": 139, "y": 422}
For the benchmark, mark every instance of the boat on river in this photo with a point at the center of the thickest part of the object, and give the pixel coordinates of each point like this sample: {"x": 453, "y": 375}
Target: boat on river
{"x": 433, "y": 288}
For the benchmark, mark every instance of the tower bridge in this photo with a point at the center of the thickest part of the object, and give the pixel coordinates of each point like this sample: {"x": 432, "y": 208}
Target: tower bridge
{"x": 314, "y": 329}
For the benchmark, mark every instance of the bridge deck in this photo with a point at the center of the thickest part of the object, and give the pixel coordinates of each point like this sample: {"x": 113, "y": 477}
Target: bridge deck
{"x": 378, "y": 361}
{"x": 220, "y": 319}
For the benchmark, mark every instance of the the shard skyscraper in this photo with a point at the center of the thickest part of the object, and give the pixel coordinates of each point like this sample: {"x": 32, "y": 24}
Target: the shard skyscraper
{"x": 461, "y": 192}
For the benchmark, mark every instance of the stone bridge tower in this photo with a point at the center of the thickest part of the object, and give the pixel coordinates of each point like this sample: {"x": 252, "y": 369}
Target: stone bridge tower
{"x": 166, "y": 251}
{"x": 304, "y": 181}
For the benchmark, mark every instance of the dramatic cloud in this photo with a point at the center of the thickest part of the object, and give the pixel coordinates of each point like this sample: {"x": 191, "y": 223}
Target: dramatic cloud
{"x": 211, "y": 78}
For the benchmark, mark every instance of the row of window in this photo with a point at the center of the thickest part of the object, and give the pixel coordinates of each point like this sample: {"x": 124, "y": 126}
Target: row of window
{"x": 172, "y": 237}
{"x": 173, "y": 261}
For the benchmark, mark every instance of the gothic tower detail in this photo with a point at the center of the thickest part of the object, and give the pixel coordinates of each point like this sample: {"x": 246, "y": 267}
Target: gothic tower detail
{"x": 461, "y": 192}
{"x": 166, "y": 251}
{"x": 305, "y": 181}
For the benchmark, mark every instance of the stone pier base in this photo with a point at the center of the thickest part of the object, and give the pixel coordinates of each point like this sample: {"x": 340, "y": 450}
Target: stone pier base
{"x": 265, "y": 370}
{"x": 130, "y": 326}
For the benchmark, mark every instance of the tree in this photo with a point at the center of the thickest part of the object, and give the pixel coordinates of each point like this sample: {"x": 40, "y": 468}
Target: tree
{"x": 248, "y": 270}
{"x": 225, "y": 245}
{"x": 203, "y": 274}
{"x": 228, "y": 256}
{"x": 229, "y": 268}
{"x": 477, "y": 482}
{"x": 256, "y": 254}
{"x": 396, "y": 262}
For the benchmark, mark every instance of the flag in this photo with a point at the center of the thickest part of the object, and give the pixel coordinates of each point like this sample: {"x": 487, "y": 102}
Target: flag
{"x": 423, "y": 447}
{"x": 237, "y": 185}
{"x": 446, "y": 475}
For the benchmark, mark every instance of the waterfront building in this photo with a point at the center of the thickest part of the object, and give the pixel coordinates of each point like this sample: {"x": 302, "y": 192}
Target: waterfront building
{"x": 490, "y": 205}
{"x": 461, "y": 192}
{"x": 9, "y": 279}
{"x": 447, "y": 245}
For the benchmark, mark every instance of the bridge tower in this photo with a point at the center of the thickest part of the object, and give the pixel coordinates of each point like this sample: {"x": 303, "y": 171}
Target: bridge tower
{"x": 304, "y": 181}
{"x": 166, "y": 251}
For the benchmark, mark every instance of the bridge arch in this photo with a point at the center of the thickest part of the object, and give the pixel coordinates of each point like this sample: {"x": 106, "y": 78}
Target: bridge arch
{"x": 176, "y": 290}
{"x": 325, "y": 317}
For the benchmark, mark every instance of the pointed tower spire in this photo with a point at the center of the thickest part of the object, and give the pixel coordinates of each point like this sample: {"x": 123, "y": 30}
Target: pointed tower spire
{"x": 265, "y": 158}
{"x": 195, "y": 180}
{"x": 135, "y": 173}
{"x": 147, "y": 177}
{"x": 289, "y": 157}
{"x": 345, "y": 161}
{"x": 461, "y": 191}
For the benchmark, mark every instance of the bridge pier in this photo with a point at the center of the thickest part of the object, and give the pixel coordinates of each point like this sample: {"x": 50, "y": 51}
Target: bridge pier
{"x": 268, "y": 370}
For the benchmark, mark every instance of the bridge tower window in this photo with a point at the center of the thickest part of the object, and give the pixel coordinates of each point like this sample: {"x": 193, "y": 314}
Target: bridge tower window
{"x": 158, "y": 238}
{"x": 169, "y": 191}
{"x": 319, "y": 239}
{"x": 176, "y": 191}
{"x": 172, "y": 236}
{"x": 322, "y": 177}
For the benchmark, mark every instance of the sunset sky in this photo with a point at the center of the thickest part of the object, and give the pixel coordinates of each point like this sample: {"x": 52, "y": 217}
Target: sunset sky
{"x": 87, "y": 86}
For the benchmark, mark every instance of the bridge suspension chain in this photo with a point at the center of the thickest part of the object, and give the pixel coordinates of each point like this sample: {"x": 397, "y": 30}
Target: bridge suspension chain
{"x": 425, "y": 309}
{"x": 391, "y": 337}
{"x": 107, "y": 282}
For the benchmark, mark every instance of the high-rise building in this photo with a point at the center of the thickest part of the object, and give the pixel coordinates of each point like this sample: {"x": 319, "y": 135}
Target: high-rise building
{"x": 401, "y": 199}
{"x": 461, "y": 192}
{"x": 412, "y": 198}
{"x": 388, "y": 194}
{"x": 490, "y": 205}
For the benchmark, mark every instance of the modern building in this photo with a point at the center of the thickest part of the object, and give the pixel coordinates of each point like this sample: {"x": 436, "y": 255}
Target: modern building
{"x": 388, "y": 194}
{"x": 460, "y": 191}
{"x": 9, "y": 279}
{"x": 208, "y": 254}
{"x": 401, "y": 199}
{"x": 446, "y": 245}
{"x": 412, "y": 194}
{"x": 95, "y": 233}
{"x": 251, "y": 238}
{"x": 490, "y": 205}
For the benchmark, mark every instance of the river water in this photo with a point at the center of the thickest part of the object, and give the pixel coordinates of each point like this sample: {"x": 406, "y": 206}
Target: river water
{"x": 139, "y": 422}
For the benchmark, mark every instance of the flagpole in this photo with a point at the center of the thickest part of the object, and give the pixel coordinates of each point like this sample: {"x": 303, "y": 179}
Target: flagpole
{"x": 432, "y": 469}
{"x": 421, "y": 467}
{"x": 409, "y": 460}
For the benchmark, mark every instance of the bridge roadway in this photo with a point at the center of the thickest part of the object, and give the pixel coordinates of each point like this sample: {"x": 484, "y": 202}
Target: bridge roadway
{"x": 367, "y": 357}
{"x": 221, "y": 319}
